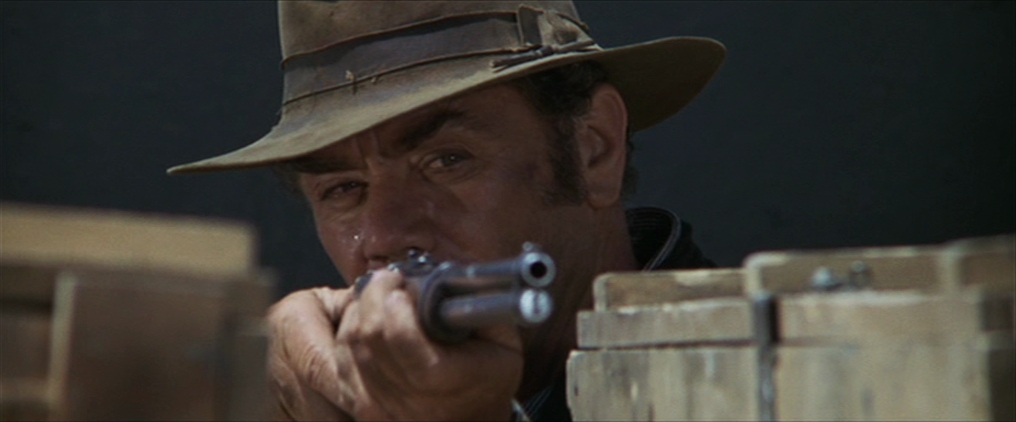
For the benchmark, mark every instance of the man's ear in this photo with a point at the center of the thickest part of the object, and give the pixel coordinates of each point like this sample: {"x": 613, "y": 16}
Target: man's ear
{"x": 601, "y": 137}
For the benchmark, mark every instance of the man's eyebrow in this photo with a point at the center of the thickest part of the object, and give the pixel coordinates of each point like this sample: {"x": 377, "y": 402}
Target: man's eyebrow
{"x": 419, "y": 133}
{"x": 429, "y": 127}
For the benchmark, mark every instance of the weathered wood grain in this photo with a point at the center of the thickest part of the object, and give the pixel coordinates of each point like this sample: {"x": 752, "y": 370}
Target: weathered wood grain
{"x": 897, "y": 380}
{"x": 930, "y": 337}
{"x": 879, "y": 317}
{"x": 989, "y": 263}
{"x": 663, "y": 384}
{"x": 615, "y": 290}
{"x": 60, "y": 236}
{"x": 686, "y": 322}
{"x": 905, "y": 267}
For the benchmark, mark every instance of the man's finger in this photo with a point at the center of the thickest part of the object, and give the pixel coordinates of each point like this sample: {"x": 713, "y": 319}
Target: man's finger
{"x": 373, "y": 314}
{"x": 390, "y": 329}
{"x": 302, "y": 329}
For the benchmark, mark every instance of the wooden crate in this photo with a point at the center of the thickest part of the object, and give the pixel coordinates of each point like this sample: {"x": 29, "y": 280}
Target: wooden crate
{"x": 118, "y": 316}
{"x": 916, "y": 333}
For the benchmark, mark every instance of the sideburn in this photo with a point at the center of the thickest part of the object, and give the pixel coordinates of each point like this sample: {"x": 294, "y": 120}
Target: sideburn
{"x": 569, "y": 187}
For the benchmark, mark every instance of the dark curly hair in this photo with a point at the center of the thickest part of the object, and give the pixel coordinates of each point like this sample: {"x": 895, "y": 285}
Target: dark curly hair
{"x": 562, "y": 95}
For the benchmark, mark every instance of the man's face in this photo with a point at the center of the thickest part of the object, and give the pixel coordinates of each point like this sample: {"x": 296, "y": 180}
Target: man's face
{"x": 465, "y": 180}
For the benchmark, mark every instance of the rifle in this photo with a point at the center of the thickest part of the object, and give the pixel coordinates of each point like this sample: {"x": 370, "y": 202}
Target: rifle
{"x": 454, "y": 299}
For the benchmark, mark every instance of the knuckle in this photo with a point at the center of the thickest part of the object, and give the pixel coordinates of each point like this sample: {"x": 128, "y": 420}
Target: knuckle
{"x": 388, "y": 279}
{"x": 316, "y": 367}
{"x": 371, "y": 325}
{"x": 364, "y": 330}
{"x": 372, "y": 330}
{"x": 285, "y": 394}
{"x": 286, "y": 306}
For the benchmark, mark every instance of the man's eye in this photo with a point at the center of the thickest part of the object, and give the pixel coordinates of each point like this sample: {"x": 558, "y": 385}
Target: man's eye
{"x": 340, "y": 189}
{"x": 447, "y": 160}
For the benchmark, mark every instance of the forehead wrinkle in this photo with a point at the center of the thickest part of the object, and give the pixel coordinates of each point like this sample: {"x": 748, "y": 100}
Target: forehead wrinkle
{"x": 332, "y": 159}
{"x": 446, "y": 114}
{"x": 429, "y": 126}
{"x": 339, "y": 157}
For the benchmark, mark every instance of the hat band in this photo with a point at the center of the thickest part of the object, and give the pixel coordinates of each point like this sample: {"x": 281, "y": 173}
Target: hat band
{"x": 367, "y": 58}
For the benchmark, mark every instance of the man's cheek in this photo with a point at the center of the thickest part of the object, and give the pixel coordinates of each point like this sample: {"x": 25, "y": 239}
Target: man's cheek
{"x": 341, "y": 247}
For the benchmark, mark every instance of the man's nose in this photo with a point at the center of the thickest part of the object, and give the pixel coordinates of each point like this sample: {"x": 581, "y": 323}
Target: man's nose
{"x": 396, "y": 218}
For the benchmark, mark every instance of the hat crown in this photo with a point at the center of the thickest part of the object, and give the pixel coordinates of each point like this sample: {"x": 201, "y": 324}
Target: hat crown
{"x": 351, "y": 65}
{"x": 309, "y": 26}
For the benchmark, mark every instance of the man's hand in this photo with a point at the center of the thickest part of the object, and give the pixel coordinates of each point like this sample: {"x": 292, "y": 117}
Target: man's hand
{"x": 333, "y": 356}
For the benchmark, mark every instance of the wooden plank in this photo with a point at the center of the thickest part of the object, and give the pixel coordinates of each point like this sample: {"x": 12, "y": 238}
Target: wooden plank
{"x": 925, "y": 382}
{"x": 901, "y": 380}
{"x": 196, "y": 343}
{"x": 686, "y": 322}
{"x": 989, "y": 263}
{"x": 663, "y": 384}
{"x": 246, "y": 383}
{"x": 897, "y": 380}
{"x": 27, "y": 284}
{"x": 129, "y": 350}
{"x": 1002, "y": 371}
{"x": 246, "y": 380}
{"x": 877, "y": 317}
{"x": 931, "y": 339}
{"x": 614, "y": 290}
{"x": 59, "y": 236}
{"x": 154, "y": 315}
{"x": 891, "y": 268}
{"x": 251, "y": 294}
{"x": 24, "y": 351}
{"x": 24, "y": 343}
{"x": 819, "y": 384}
{"x": 843, "y": 316}
{"x": 23, "y": 399}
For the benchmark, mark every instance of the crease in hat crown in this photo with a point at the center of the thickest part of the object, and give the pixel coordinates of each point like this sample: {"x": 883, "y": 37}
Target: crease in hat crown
{"x": 351, "y": 65}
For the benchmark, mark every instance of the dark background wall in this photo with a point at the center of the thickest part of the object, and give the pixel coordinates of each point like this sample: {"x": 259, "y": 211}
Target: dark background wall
{"x": 831, "y": 124}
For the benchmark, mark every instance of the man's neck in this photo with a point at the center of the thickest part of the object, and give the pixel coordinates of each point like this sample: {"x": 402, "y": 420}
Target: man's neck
{"x": 548, "y": 345}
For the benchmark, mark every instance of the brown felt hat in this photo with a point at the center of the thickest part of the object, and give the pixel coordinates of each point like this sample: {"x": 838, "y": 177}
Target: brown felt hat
{"x": 350, "y": 65}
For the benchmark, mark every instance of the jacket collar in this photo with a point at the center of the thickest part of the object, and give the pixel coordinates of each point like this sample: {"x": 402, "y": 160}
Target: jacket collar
{"x": 654, "y": 234}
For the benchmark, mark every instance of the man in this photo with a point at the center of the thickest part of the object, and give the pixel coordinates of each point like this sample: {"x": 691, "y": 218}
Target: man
{"x": 462, "y": 129}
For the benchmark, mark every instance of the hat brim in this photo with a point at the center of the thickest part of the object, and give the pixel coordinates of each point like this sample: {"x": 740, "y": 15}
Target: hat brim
{"x": 656, "y": 79}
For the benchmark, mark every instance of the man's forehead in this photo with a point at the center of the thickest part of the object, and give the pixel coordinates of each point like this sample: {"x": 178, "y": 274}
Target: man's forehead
{"x": 471, "y": 103}
{"x": 407, "y": 131}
